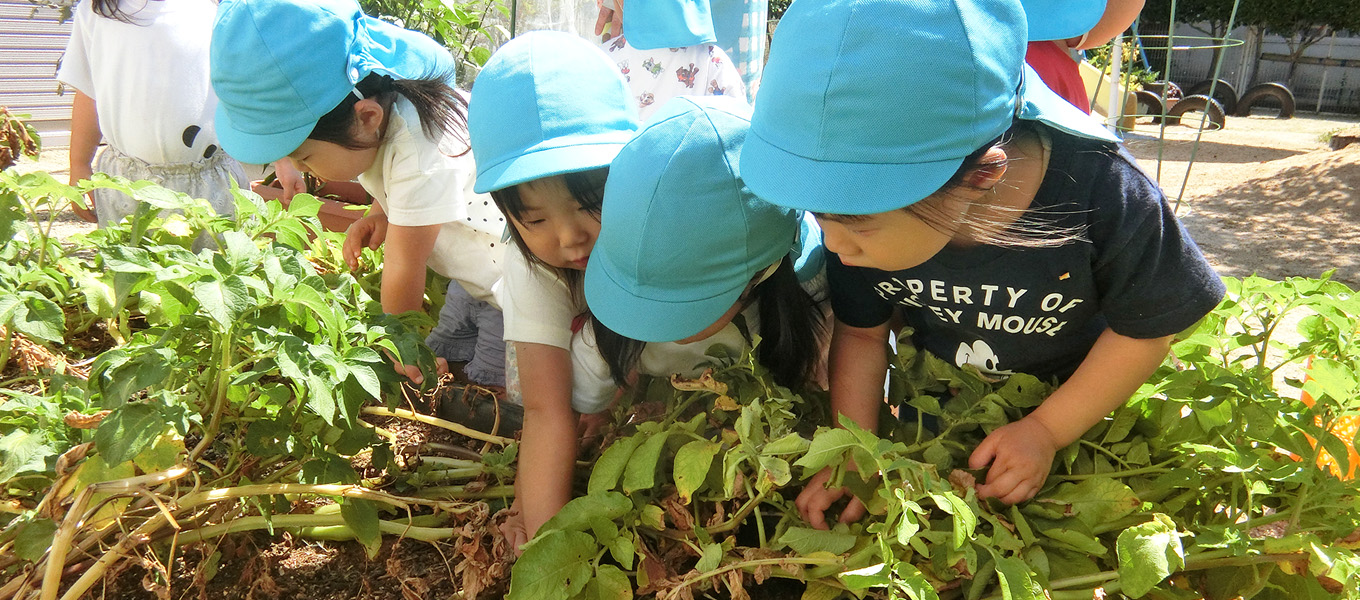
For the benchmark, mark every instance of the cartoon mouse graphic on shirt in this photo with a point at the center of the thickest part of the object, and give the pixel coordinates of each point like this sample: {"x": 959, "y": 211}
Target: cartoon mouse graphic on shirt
{"x": 979, "y": 355}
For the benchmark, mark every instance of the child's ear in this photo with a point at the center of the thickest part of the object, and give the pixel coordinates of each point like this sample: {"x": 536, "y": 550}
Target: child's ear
{"x": 368, "y": 114}
{"x": 992, "y": 168}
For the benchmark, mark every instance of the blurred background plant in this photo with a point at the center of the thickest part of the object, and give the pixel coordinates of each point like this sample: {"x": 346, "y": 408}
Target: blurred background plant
{"x": 465, "y": 28}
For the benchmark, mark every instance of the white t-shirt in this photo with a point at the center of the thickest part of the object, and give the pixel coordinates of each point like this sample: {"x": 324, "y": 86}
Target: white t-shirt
{"x": 655, "y": 76}
{"x": 148, "y": 78}
{"x": 593, "y": 389}
{"x": 538, "y": 307}
{"x": 421, "y": 182}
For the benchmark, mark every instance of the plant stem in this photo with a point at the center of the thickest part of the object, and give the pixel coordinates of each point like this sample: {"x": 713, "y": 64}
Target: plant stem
{"x": 462, "y": 493}
{"x": 425, "y": 534}
{"x": 437, "y": 422}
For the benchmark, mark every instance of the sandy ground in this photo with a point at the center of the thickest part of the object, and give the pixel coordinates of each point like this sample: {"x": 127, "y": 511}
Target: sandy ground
{"x": 1264, "y": 196}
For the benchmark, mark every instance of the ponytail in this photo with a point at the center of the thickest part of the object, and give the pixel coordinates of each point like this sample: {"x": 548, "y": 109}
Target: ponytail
{"x": 442, "y": 110}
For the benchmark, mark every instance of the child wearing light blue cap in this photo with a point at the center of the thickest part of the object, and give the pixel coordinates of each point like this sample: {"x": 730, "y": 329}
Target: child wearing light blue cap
{"x": 669, "y": 51}
{"x": 1008, "y": 228}
{"x": 688, "y": 257}
{"x": 346, "y": 96}
{"x": 549, "y": 112}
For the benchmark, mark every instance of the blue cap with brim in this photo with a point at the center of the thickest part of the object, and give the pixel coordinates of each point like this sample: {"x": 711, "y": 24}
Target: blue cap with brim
{"x": 681, "y": 236}
{"x": 1061, "y": 19}
{"x": 278, "y": 66}
{"x": 848, "y": 124}
{"x": 652, "y": 24}
{"x": 547, "y": 103}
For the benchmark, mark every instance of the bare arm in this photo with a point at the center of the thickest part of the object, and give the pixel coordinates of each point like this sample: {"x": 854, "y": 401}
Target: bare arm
{"x": 403, "y": 277}
{"x": 85, "y": 136}
{"x": 548, "y": 440}
{"x": 1119, "y": 14}
{"x": 857, "y": 364}
{"x": 1021, "y": 453}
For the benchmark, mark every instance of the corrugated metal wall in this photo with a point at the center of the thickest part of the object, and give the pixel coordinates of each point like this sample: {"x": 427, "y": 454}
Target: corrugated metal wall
{"x": 32, "y": 39}
{"x": 1341, "y": 93}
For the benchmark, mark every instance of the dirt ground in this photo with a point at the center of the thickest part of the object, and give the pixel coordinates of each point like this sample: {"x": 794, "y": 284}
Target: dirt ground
{"x": 1265, "y": 195}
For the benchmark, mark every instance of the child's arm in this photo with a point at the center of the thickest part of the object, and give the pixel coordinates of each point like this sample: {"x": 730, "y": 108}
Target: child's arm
{"x": 548, "y": 440}
{"x": 858, "y": 363}
{"x": 403, "y": 274}
{"x": 85, "y": 136}
{"x": 1021, "y": 453}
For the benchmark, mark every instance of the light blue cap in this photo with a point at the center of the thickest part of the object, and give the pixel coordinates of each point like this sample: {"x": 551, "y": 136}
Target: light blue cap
{"x": 1061, "y": 19}
{"x": 547, "y": 103}
{"x": 652, "y": 24}
{"x": 680, "y": 234}
{"x": 278, "y": 66}
{"x": 868, "y": 106}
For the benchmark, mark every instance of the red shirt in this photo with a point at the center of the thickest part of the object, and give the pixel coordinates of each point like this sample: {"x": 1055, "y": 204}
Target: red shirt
{"x": 1056, "y": 67}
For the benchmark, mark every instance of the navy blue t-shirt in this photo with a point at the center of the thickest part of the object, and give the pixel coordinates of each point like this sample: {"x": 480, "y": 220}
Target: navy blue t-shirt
{"x": 1039, "y": 310}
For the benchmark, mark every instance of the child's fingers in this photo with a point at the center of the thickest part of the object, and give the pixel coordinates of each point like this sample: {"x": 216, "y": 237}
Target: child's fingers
{"x": 413, "y": 373}
{"x": 853, "y": 511}
{"x": 813, "y": 501}
{"x": 983, "y": 454}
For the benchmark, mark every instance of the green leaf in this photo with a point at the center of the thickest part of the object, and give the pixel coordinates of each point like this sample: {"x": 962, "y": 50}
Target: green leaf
{"x": 117, "y": 375}
{"x": 868, "y": 577}
{"x": 224, "y": 300}
{"x": 609, "y": 583}
{"x": 24, "y": 452}
{"x": 328, "y": 468}
{"x": 580, "y": 512}
{"x": 34, "y": 538}
{"x": 40, "y": 318}
{"x": 710, "y": 557}
{"x": 127, "y": 431}
{"x": 609, "y": 467}
{"x": 828, "y": 447}
{"x": 1094, "y": 501}
{"x": 964, "y": 519}
{"x": 914, "y": 583}
{"x": 640, "y": 474}
{"x": 692, "y": 463}
{"x": 805, "y": 540}
{"x": 554, "y": 566}
{"x": 362, "y": 517}
{"x": 1149, "y": 553}
{"x": 1017, "y": 581}
{"x": 269, "y": 437}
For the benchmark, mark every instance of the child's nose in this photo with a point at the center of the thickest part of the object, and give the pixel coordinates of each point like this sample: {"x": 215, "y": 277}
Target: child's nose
{"x": 835, "y": 239}
{"x": 571, "y": 234}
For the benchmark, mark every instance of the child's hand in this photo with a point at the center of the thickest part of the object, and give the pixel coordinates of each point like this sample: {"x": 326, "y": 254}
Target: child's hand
{"x": 816, "y": 498}
{"x": 514, "y": 530}
{"x": 1021, "y": 454}
{"x": 289, "y": 178}
{"x": 369, "y": 231}
{"x": 79, "y": 172}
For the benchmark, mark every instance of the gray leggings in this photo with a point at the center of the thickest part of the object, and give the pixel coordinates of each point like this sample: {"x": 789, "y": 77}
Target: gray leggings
{"x": 471, "y": 331}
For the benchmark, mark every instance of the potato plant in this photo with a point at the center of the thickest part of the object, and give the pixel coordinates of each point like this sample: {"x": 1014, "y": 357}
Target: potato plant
{"x": 232, "y": 388}
{"x": 156, "y": 396}
{"x": 1205, "y": 485}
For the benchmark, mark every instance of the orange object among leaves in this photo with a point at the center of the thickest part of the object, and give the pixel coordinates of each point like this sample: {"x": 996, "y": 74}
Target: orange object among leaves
{"x": 1344, "y": 428}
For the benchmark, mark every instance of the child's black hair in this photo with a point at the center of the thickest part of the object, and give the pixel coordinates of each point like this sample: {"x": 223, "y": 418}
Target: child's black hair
{"x": 441, "y": 108}
{"x": 1022, "y": 230}
{"x": 110, "y": 9}
{"x": 587, "y": 187}
{"x": 791, "y": 333}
